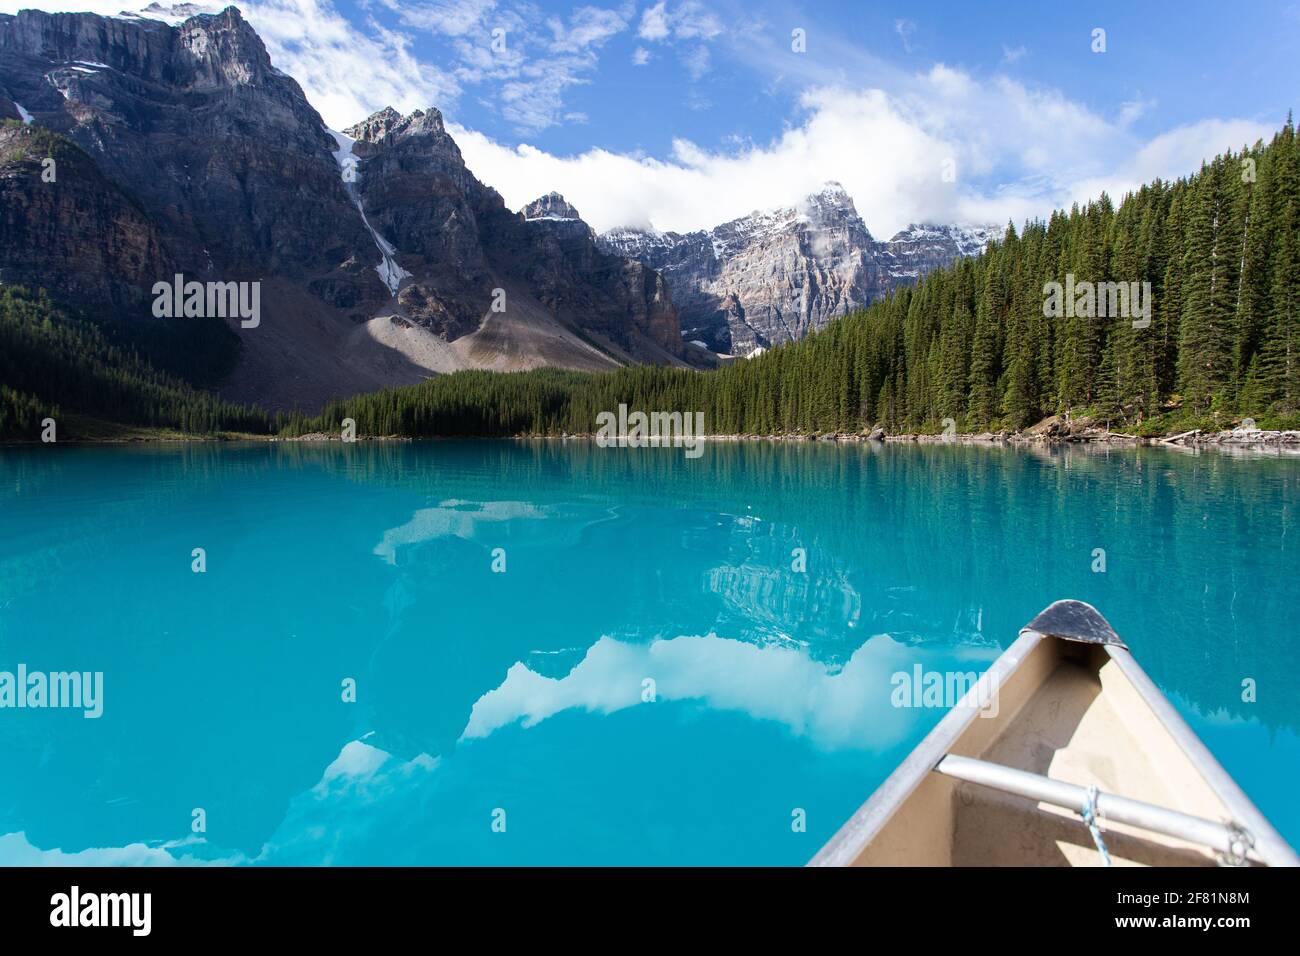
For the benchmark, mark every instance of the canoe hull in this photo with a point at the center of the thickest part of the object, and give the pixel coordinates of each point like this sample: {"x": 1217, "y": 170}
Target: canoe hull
{"x": 1073, "y": 711}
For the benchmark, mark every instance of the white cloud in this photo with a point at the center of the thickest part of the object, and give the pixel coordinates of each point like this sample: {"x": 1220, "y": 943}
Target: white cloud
{"x": 588, "y": 27}
{"x": 454, "y": 18}
{"x": 1012, "y": 54}
{"x": 535, "y": 60}
{"x": 846, "y": 709}
{"x": 1176, "y": 153}
{"x": 346, "y": 71}
{"x": 17, "y": 850}
{"x": 350, "y": 70}
{"x": 654, "y": 23}
{"x": 640, "y": 56}
{"x": 695, "y": 100}
{"x": 104, "y": 8}
{"x": 689, "y": 20}
{"x": 1133, "y": 110}
{"x": 693, "y": 22}
{"x": 1019, "y": 152}
{"x": 696, "y": 61}
{"x": 905, "y": 30}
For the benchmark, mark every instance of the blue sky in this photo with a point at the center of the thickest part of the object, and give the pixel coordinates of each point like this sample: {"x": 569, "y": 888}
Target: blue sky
{"x": 682, "y": 113}
{"x": 724, "y": 69}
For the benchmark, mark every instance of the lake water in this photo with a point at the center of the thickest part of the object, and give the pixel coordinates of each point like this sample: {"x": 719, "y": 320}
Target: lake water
{"x": 682, "y": 660}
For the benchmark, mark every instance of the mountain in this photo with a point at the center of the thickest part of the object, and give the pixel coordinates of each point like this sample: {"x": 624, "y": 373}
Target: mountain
{"x": 1206, "y": 337}
{"x": 771, "y": 277}
{"x": 509, "y": 292}
{"x": 382, "y": 259}
{"x": 552, "y": 206}
{"x": 45, "y": 230}
{"x": 231, "y": 169}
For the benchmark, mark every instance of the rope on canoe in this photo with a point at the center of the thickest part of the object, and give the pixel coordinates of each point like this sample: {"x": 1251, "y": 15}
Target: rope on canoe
{"x": 1090, "y": 818}
{"x": 1239, "y": 846}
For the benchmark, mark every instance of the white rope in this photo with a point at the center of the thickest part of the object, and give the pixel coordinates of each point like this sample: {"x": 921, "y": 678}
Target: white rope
{"x": 1090, "y": 818}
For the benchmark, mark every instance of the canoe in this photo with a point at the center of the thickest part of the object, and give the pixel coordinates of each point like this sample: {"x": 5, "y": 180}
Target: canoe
{"x": 1063, "y": 730}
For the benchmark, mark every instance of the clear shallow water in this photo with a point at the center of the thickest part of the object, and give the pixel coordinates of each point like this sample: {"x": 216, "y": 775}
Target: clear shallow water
{"x": 523, "y": 691}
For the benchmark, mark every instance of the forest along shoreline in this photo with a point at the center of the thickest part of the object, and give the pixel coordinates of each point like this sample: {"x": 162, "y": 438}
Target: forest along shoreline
{"x": 1052, "y": 431}
{"x": 1057, "y": 431}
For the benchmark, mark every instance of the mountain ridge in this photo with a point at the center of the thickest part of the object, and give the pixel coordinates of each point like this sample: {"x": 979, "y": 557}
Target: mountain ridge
{"x": 378, "y": 268}
{"x": 381, "y": 258}
{"x": 776, "y": 274}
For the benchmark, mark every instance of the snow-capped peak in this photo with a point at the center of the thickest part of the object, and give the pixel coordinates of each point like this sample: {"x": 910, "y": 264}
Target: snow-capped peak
{"x": 969, "y": 240}
{"x": 551, "y": 206}
{"x": 833, "y": 190}
{"x": 172, "y": 14}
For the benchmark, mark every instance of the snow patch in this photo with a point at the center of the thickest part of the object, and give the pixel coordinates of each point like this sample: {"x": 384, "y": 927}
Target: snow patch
{"x": 26, "y": 116}
{"x": 968, "y": 240}
{"x": 389, "y": 271}
{"x": 170, "y": 14}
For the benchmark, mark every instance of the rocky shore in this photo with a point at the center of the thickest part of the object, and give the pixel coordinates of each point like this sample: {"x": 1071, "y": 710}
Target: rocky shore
{"x": 1051, "y": 431}
{"x": 1058, "y": 431}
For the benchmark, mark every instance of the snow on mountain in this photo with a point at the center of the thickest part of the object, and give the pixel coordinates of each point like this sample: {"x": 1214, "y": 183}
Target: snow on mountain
{"x": 776, "y": 274}
{"x": 389, "y": 271}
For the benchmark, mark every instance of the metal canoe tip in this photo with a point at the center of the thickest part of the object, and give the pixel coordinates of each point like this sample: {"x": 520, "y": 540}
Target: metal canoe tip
{"x": 1074, "y": 621}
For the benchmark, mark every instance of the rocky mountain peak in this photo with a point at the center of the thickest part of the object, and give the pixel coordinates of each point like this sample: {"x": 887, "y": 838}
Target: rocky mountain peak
{"x": 375, "y": 126}
{"x": 832, "y": 206}
{"x": 453, "y": 242}
{"x": 832, "y": 194}
{"x": 550, "y": 206}
{"x": 965, "y": 240}
{"x": 776, "y": 274}
{"x": 227, "y": 167}
{"x": 226, "y": 51}
{"x": 389, "y": 123}
{"x": 383, "y": 259}
{"x": 426, "y": 121}
{"x": 85, "y": 52}
{"x": 169, "y": 12}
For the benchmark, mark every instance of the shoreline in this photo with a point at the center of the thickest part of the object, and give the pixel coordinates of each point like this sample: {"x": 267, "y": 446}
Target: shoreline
{"x": 1053, "y": 430}
{"x": 1228, "y": 439}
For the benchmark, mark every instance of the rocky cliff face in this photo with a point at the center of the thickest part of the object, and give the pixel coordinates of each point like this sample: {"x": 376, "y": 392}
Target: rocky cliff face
{"x": 772, "y": 277}
{"x": 52, "y": 196}
{"x": 455, "y": 244}
{"x": 551, "y": 206}
{"x": 575, "y": 276}
{"x": 919, "y": 249}
{"x": 221, "y": 149}
{"x": 382, "y": 258}
{"x": 421, "y": 200}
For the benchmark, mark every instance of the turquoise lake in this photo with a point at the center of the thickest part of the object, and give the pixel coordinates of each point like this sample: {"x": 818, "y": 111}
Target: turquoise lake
{"x": 681, "y": 660}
